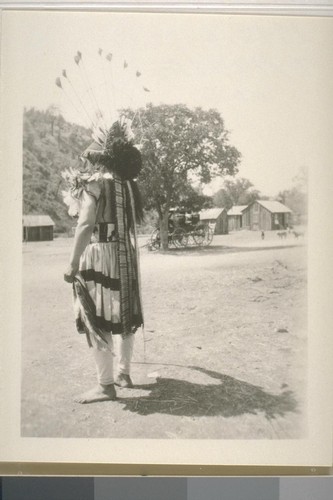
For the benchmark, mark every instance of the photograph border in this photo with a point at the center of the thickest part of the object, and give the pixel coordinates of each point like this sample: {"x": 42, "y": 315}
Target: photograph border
{"x": 167, "y": 469}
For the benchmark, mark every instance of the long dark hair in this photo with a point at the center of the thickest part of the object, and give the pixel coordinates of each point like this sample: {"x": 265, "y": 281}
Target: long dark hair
{"x": 125, "y": 159}
{"x": 122, "y": 158}
{"x": 138, "y": 205}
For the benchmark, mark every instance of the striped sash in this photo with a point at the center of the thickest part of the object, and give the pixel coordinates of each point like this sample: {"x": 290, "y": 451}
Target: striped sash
{"x": 136, "y": 247}
{"x": 126, "y": 258}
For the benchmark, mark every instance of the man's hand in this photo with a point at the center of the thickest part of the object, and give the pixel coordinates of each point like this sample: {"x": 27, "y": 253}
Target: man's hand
{"x": 70, "y": 273}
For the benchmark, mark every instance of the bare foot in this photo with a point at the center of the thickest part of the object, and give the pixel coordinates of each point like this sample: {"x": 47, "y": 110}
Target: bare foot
{"x": 124, "y": 380}
{"x": 99, "y": 393}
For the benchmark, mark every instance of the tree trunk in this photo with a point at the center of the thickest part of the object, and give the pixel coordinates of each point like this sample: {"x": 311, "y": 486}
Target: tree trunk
{"x": 164, "y": 230}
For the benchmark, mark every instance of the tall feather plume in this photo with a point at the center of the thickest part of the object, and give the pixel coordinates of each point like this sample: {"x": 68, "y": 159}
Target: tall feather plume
{"x": 88, "y": 102}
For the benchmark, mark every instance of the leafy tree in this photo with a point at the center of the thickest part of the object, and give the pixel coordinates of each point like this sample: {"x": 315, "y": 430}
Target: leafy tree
{"x": 177, "y": 144}
{"x": 236, "y": 192}
{"x": 194, "y": 200}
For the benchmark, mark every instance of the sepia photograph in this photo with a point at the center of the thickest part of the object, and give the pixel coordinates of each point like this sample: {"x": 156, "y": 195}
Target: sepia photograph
{"x": 166, "y": 165}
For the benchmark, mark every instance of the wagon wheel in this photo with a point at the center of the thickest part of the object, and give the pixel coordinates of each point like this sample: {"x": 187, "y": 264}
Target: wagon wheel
{"x": 179, "y": 237}
{"x": 199, "y": 234}
{"x": 155, "y": 239}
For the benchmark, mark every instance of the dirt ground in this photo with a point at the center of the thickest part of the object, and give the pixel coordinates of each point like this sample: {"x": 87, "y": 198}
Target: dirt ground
{"x": 223, "y": 355}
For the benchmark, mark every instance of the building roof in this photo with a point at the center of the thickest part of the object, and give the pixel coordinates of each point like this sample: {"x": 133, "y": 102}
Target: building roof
{"x": 210, "y": 213}
{"x": 237, "y": 210}
{"x": 37, "y": 220}
{"x": 274, "y": 207}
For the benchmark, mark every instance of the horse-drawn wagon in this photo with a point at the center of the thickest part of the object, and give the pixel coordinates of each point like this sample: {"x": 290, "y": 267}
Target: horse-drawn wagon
{"x": 184, "y": 229}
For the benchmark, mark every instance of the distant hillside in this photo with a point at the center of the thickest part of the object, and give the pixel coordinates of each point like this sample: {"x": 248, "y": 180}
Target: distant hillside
{"x": 50, "y": 144}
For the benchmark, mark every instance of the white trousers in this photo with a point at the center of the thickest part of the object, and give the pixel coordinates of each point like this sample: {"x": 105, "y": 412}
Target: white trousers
{"x": 105, "y": 359}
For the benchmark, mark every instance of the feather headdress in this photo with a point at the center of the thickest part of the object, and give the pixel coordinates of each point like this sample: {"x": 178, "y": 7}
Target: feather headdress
{"x": 97, "y": 104}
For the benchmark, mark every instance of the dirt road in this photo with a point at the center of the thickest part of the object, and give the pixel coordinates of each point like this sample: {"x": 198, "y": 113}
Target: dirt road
{"x": 223, "y": 355}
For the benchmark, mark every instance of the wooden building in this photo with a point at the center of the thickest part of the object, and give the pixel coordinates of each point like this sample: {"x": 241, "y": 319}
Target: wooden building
{"x": 266, "y": 216}
{"x": 37, "y": 228}
{"x": 235, "y": 217}
{"x": 217, "y": 218}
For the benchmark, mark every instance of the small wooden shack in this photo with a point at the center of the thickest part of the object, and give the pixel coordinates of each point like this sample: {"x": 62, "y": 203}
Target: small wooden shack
{"x": 266, "y": 216}
{"x": 217, "y": 218}
{"x": 37, "y": 228}
{"x": 235, "y": 217}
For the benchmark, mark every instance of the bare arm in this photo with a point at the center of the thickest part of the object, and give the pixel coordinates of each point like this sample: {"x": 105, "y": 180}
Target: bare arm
{"x": 83, "y": 233}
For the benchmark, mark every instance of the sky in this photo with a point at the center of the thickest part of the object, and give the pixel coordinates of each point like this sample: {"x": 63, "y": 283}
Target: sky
{"x": 268, "y": 76}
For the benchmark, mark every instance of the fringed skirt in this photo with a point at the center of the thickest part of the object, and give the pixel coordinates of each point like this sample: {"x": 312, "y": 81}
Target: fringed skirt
{"x": 99, "y": 268}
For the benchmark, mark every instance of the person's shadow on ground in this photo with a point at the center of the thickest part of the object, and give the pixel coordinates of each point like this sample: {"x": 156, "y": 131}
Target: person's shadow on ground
{"x": 229, "y": 398}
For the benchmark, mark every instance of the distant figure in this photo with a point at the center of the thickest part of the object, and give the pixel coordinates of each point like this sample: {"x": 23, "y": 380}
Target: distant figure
{"x": 282, "y": 234}
{"x": 262, "y": 235}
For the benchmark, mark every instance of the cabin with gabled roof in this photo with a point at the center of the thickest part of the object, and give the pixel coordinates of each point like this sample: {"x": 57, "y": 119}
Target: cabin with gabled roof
{"x": 37, "y": 228}
{"x": 235, "y": 217}
{"x": 265, "y": 215}
{"x": 217, "y": 218}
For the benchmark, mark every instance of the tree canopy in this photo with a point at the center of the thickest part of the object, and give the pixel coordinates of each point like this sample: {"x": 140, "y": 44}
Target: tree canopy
{"x": 238, "y": 191}
{"x": 179, "y": 143}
